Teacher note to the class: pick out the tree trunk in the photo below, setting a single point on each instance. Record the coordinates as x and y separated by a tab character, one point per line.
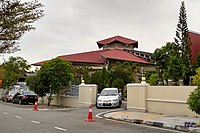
58	98
42	100
50	98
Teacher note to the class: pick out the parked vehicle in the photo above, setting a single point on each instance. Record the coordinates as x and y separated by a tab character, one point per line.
25	97
8	96
109	97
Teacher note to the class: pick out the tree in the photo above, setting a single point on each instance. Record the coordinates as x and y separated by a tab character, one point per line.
102	78
176	69
81	72
197	62
54	75
196	78
194	98
1	75
123	73
14	68
33	83
117	75
16	18
194	101
1	72
152	77
182	40
167	60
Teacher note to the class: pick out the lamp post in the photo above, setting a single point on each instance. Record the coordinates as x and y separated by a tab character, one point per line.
142	69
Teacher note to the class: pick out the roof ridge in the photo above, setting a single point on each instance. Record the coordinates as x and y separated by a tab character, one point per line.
82	52
141	59
194	32
118	38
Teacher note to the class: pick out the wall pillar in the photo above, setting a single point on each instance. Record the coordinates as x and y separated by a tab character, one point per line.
136	96
87	94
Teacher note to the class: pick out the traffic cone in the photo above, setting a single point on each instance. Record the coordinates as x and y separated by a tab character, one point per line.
90	115
35	107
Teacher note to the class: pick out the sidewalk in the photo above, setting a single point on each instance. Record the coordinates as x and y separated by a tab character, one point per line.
180	123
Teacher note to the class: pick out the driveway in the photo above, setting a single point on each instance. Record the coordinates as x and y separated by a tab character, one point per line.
21	118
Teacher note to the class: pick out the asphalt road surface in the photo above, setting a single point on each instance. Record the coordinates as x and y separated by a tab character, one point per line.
22	119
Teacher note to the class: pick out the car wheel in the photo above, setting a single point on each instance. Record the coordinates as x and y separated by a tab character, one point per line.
20	102
120	103
97	106
3	100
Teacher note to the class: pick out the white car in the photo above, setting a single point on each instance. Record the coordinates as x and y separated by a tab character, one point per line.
109	97
8	96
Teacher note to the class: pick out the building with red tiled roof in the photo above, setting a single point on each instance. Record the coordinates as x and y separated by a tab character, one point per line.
92	58
118	42
195	44
114	48
121	55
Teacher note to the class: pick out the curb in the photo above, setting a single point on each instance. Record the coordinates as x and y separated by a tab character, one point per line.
182	128
157	124
138	121
102	115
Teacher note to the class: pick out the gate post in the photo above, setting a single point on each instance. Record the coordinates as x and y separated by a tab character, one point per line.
136	96
87	94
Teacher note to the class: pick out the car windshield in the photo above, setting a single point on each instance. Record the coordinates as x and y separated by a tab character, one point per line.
12	92
109	93
28	93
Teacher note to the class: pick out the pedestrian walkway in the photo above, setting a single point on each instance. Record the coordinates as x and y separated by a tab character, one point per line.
180	123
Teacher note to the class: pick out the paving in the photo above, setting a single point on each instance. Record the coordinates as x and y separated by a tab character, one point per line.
181	123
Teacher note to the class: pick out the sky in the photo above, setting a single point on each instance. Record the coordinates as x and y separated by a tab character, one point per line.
74	26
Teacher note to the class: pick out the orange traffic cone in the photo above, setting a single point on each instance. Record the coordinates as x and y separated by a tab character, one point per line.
35	107
90	115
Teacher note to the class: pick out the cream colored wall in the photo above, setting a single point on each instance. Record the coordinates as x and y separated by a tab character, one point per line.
159	99
70	101
67	101
169	92
169	108
45	100
169	99
136	95
118	46
87	94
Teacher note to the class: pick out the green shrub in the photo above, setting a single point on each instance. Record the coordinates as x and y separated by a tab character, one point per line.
194	100
153	79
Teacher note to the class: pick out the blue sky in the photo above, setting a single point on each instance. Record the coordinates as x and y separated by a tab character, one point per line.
73	26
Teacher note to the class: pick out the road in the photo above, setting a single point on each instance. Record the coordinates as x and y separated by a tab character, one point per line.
22	119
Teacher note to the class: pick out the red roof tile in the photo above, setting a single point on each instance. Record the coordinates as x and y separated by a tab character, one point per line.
100	57
86	57
118	39
195	44
118	54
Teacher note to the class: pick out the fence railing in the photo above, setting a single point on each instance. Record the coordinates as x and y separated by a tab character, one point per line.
74	90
